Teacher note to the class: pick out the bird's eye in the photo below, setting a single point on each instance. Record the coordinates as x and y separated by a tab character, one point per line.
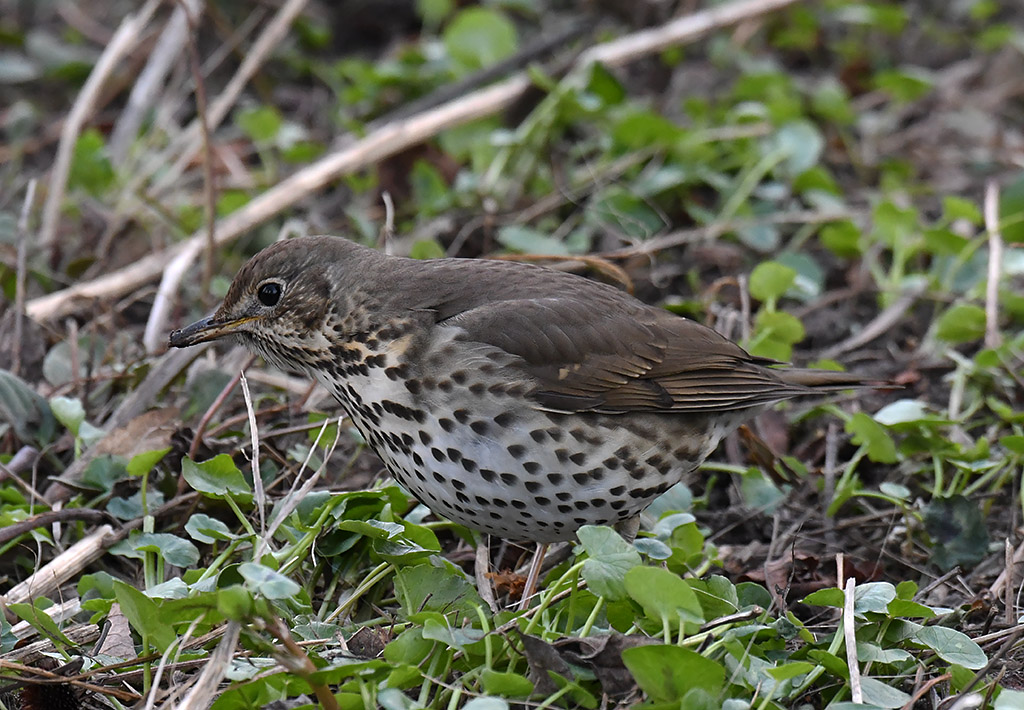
269	293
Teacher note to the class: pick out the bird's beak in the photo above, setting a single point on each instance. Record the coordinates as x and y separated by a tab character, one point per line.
209	328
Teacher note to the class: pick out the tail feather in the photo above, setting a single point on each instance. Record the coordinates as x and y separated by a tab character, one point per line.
828	380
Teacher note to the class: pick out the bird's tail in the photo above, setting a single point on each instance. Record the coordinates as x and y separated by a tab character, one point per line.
829	380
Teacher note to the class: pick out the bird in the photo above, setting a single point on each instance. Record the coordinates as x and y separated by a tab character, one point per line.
514	399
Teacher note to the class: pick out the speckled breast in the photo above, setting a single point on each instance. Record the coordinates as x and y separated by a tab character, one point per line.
454	424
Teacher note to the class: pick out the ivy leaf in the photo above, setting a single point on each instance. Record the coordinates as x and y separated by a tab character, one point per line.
479	37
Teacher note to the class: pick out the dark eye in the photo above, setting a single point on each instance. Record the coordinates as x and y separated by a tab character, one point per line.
269	293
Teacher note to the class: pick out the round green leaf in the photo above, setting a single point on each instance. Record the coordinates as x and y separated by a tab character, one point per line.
216	478
873	435
609	558
881	695
265	581
666	673
479	37
770	279
203	528
962	323
663	595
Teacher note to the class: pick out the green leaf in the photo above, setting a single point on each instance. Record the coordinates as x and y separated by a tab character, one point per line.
790	670
203	528
907	84
25	410
810	277
171	548
1013	442
143	615
267	582
910	609
801	143
511	685
832	597
665	597
130	507
103	472
261	124
1011	210
831	101
609	558
457	638
770	279
434	12
90	166
881	695
41	621
873	653
216	478
867	432
409	647
68	412
764	237
873	597
952	646
143	463
895	226
426	587
530	241
954	208
841	238
478	37
962	323
782	327
639	128
1009	700
486	704
605	85
235	602
431	192
666	673
231	201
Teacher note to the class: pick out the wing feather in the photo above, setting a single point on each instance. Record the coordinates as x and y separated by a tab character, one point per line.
590	347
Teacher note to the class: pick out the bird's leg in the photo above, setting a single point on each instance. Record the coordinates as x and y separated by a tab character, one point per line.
482	569
533	575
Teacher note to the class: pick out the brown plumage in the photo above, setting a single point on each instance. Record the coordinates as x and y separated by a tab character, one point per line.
511	398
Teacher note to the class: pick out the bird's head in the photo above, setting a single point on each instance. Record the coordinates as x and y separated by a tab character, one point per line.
279	302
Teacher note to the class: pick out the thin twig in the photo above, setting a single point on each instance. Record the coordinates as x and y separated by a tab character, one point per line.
1005	579
259	495
21	275
993	338
1010	617
204	689
850	636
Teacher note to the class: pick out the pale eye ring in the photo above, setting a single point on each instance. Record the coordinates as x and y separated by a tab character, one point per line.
269	293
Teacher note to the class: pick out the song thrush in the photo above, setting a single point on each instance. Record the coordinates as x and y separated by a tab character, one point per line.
511	398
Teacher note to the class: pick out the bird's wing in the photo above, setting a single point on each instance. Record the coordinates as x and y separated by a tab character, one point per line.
600	350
